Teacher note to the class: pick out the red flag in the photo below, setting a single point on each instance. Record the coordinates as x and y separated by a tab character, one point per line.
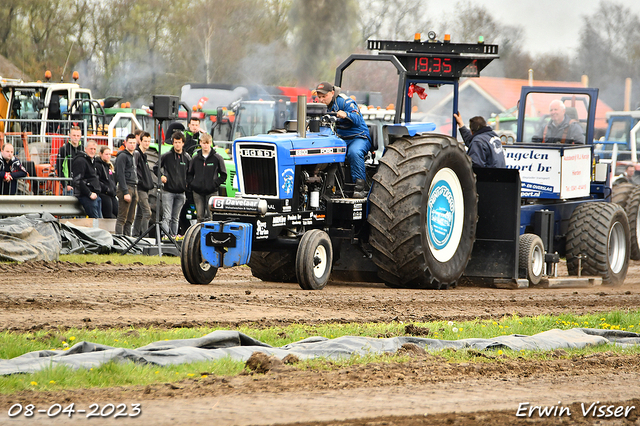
414	88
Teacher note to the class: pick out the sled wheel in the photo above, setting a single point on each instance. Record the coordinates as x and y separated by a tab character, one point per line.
314	260
423	212
194	268
600	233
627	195
531	253
276	266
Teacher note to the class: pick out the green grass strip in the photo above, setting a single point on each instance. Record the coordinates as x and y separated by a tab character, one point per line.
121	374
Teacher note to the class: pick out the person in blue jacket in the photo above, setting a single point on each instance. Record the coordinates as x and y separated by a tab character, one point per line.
485	148
350	127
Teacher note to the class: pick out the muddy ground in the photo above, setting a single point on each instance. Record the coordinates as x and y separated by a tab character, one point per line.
36	296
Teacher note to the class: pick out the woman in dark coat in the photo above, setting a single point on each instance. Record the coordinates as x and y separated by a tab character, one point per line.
107	175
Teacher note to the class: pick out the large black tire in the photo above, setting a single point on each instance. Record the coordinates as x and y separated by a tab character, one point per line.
314	260
276	266
194	268
531	258
599	232
423	212
627	195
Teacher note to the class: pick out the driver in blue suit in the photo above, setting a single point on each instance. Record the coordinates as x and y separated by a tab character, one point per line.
350	127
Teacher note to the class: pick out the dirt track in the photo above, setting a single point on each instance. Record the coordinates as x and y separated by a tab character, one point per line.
43	296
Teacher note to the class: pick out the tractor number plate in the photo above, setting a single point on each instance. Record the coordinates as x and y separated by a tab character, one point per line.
220	239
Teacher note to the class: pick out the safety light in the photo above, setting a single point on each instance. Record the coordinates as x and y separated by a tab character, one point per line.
480	39
417	37
447	38
47	75
75	75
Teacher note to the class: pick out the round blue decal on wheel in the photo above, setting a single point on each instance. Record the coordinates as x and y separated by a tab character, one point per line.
441	214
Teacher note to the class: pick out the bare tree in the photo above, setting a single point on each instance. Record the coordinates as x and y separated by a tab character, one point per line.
396	20
610	52
323	33
8	16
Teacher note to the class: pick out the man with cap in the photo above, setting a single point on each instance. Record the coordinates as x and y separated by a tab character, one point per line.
350	127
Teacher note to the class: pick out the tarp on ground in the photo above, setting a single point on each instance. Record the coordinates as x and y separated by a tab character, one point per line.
82	239
34	237
227	343
30	237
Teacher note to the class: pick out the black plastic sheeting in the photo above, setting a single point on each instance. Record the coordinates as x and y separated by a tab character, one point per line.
228	343
41	237
30	237
81	239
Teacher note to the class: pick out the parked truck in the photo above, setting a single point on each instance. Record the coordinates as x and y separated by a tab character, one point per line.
430	218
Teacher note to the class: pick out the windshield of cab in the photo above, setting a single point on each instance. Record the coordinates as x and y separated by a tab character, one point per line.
556	118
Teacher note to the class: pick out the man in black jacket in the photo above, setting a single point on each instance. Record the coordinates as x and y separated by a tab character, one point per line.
86	184
205	175
65	158
127	191
10	171
145	184
192	136
173	167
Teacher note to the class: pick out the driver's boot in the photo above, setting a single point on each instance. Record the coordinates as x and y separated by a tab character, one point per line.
360	190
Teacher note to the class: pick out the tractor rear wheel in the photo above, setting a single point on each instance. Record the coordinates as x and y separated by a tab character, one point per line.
194	268
627	195
314	260
276	266
531	254
598	240
423	212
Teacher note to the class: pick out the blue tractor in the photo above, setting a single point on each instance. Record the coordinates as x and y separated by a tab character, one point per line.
430	218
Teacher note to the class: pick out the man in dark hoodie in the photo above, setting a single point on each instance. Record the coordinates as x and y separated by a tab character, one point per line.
127	191
145	184
173	168
65	157
206	173
86	184
485	147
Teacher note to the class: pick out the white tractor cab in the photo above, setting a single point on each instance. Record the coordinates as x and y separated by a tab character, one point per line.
36	118
24	106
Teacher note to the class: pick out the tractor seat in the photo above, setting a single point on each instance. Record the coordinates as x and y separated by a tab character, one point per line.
572	113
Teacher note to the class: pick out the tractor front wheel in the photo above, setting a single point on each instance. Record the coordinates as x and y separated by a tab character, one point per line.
194	267
314	260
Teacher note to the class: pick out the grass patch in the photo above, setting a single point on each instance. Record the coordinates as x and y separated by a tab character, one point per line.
115	374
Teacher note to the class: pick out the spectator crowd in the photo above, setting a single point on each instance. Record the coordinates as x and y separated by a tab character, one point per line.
121	189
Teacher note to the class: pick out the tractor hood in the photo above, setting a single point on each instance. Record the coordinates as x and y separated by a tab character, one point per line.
277	155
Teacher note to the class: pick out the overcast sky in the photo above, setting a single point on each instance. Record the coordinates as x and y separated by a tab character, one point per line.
549	25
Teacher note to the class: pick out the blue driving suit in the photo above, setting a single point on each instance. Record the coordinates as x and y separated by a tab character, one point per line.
355	133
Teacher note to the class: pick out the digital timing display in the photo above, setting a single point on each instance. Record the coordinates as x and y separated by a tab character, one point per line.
431	66
439	66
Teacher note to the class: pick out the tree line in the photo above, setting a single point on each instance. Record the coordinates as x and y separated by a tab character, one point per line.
137	48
